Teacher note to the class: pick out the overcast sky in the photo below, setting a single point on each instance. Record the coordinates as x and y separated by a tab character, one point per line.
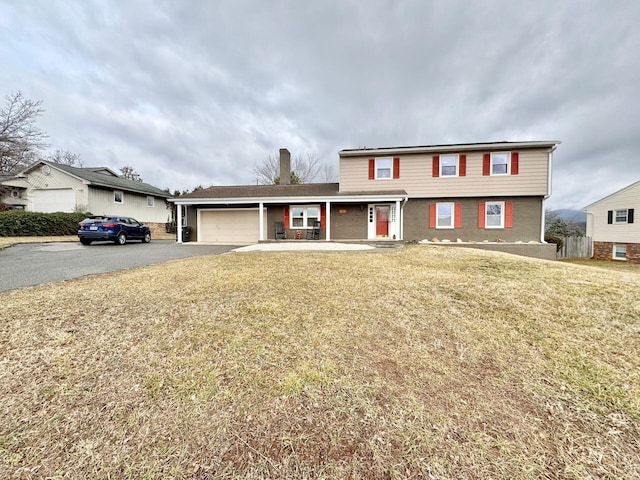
195	92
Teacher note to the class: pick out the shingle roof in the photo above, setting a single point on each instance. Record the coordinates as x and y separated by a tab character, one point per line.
267	191
103	180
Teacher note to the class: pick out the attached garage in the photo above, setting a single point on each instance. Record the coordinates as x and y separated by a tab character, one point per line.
232	226
56	200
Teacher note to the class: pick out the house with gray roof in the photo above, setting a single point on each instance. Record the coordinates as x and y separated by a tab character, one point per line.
480	192
51	187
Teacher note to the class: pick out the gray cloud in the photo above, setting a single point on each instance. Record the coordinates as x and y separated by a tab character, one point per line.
196	92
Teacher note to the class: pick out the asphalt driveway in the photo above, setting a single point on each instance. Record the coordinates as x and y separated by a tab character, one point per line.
31	264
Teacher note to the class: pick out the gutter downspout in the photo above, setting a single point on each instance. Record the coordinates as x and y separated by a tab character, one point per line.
543	218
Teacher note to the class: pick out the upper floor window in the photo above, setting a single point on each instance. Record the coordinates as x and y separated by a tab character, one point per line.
622	215
448	165
499	163
304	216
118	196
384	168
150	201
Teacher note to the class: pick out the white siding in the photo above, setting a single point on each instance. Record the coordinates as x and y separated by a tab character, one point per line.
58	181
101	202
416	177
601	231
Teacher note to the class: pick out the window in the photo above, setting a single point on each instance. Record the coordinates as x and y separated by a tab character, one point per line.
621	216
118	197
500	163
304	216
444	215
383	168
494	215
448	165
150	201
619	252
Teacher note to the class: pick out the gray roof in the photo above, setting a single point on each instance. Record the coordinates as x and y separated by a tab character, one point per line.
552	144
109	181
280	191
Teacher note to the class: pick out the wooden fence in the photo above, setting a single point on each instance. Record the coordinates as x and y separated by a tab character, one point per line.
576	247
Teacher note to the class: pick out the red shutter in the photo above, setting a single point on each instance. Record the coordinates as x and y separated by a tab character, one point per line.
323	216
286	217
436	166
396	167
515	163
432	215
458	216
508	214
463	165
372	169
481	212
486	164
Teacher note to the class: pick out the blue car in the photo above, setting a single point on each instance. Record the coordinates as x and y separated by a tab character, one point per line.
112	228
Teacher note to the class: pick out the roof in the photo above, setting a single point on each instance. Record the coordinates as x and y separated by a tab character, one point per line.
628	187
455	147
254	192
92	176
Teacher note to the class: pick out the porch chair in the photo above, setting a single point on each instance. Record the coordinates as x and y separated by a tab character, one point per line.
280	231
314	233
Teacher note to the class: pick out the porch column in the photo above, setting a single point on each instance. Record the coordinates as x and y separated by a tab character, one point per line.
327	217
398	221
179	222
260	209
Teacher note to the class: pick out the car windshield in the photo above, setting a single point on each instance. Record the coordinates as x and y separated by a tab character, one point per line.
95	219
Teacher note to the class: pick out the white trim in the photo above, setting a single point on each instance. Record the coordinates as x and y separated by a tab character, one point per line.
453	214
552	144
613	256
261	213
305	216
457	166
327	220
502	215
615	216
153	201
121	202
508	172
289	200
376	160
179	222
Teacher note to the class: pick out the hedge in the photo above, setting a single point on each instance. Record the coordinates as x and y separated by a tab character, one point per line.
18	223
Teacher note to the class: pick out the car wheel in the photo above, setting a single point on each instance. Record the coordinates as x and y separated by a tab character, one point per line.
147	238
85	241
121	239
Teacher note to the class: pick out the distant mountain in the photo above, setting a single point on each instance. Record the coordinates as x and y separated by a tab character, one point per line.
572	217
568	215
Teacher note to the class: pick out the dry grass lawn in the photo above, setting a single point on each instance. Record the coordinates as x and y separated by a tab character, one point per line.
426	362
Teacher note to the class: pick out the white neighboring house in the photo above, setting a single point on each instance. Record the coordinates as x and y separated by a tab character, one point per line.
612	225
51	187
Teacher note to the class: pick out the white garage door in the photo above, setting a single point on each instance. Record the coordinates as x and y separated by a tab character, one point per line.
60	200
235	226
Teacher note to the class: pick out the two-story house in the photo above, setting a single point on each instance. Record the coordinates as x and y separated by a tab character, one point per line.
612	227
464	192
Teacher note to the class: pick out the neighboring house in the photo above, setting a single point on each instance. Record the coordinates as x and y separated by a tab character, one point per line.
468	192
51	187
612	226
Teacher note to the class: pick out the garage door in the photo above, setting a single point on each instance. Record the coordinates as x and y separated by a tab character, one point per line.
60	200
235	226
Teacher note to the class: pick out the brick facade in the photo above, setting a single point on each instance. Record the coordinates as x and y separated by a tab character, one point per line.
604	251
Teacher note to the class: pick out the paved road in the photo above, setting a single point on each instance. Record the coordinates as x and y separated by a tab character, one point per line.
30	264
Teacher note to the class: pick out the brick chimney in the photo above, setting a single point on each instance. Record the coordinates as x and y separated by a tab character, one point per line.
285	167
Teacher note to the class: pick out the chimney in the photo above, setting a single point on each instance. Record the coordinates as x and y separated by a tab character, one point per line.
285	167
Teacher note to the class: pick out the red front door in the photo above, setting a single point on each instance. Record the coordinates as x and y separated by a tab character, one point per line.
382	221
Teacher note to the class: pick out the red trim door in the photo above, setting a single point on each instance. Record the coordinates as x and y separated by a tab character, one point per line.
382	220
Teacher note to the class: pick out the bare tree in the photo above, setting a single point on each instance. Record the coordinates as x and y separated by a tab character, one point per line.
129	172
304	169
20	138
328	174
65	157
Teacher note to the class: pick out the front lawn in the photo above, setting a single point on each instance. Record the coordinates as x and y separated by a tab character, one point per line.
425	362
